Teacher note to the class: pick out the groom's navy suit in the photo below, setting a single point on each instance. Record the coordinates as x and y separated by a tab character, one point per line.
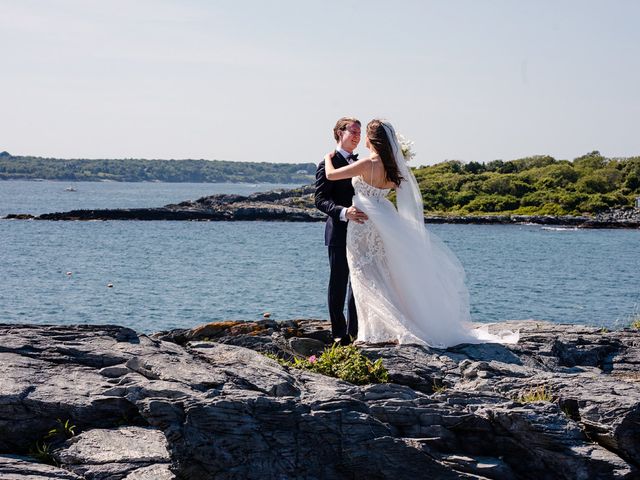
332	197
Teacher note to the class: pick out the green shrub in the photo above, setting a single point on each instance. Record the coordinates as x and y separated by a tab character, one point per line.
632	182
536	185
551	209
590	161
535	161
474	167
493	203
460	199
558	175
534	199
599	181
599	202
571	200
502	184
344	362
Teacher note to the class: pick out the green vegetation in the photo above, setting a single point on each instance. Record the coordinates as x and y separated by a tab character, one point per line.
635	324
42	450
135	170
273	356
61	430
536	394
539	185
344	362
438	386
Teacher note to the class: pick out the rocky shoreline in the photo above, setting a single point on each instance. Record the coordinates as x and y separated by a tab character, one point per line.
297	205
205	403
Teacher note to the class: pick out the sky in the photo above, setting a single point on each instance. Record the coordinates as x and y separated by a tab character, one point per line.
254	80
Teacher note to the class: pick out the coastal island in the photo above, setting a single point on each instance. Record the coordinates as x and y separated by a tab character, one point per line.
591	191
102	401
297	205
14	167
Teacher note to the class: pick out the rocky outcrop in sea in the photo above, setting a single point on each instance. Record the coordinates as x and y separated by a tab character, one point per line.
293	205
628	217
104	402
297	205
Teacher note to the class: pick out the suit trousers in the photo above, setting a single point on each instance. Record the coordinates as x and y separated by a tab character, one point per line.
339	291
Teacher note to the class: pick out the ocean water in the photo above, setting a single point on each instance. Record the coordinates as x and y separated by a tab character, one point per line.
179	274
36	197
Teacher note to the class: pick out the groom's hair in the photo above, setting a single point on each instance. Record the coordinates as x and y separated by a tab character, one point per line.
342	124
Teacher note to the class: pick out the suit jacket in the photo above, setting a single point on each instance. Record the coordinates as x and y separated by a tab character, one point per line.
331	197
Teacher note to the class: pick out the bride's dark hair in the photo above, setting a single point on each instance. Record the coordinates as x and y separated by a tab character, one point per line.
380	141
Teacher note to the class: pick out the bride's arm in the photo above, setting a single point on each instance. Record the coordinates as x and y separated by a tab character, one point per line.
348	171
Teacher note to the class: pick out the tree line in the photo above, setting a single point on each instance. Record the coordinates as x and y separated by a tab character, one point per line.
136	170
537	185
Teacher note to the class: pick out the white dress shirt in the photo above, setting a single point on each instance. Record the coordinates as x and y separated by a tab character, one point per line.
345	154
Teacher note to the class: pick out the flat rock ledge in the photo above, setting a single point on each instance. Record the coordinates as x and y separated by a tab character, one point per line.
292	205
297	205
205	403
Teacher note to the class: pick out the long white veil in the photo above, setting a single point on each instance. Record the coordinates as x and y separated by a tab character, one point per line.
409	198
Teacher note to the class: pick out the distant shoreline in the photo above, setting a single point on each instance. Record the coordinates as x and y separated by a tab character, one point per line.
57	180
143	170
297	205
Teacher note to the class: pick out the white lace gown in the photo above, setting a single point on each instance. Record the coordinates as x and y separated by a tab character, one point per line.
409	287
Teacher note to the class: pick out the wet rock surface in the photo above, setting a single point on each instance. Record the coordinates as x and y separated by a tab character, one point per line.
205	403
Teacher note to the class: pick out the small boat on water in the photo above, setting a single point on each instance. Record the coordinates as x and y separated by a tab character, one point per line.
70	189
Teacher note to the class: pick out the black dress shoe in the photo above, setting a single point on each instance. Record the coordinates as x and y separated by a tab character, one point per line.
344	341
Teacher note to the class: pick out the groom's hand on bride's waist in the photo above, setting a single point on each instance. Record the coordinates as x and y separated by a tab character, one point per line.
355	215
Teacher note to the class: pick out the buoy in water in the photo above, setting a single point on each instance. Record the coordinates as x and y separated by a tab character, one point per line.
109	285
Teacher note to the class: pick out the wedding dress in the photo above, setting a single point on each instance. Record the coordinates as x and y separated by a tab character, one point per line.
408	285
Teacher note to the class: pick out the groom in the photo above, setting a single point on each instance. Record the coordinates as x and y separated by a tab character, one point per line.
334	198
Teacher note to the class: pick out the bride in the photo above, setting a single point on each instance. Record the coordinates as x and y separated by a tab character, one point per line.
408	286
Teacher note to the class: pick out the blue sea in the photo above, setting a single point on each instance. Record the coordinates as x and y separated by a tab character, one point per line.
180	274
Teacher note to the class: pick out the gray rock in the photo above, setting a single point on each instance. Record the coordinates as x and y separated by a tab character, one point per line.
15	467
205	403
111	453
153	472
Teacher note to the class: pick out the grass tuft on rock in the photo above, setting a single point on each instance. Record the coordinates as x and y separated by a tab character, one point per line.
343	362
42	452
62	430
536	394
